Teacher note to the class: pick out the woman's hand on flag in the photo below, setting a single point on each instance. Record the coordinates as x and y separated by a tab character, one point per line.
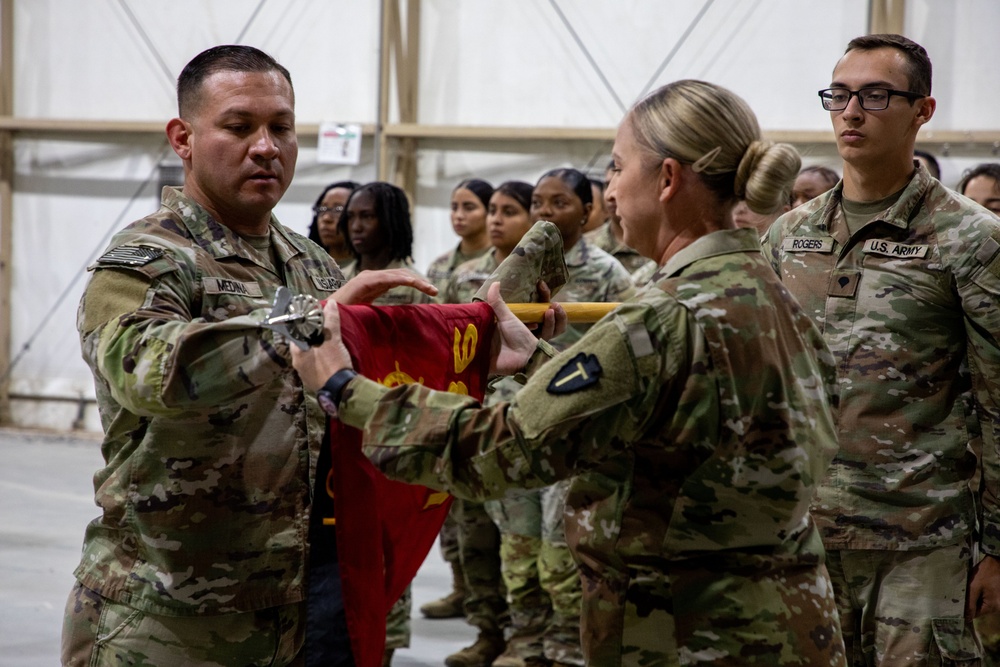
514	343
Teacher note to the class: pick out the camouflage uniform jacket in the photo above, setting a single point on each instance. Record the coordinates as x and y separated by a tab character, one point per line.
908	306
705	410
442	267
594	276
463	283
604	238
397	296
209	438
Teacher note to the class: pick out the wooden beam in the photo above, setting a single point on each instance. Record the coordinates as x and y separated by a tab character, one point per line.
384	82
121	130
6	202
412	64
407	74
97	130
886	16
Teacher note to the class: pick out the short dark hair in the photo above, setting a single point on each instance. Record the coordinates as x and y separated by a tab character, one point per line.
934	167
314	225
575	179
392	209
224	58
990	169
918	62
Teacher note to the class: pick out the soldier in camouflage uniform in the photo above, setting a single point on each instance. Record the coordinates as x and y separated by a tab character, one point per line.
544	587
469	203
902	276
376	222
702	406
507	221
199	555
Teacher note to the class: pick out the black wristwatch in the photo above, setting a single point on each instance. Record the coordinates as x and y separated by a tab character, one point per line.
329	395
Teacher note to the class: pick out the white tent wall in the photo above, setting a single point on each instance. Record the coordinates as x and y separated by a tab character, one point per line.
514	64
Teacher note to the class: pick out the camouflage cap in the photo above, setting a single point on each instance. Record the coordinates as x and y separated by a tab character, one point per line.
538	256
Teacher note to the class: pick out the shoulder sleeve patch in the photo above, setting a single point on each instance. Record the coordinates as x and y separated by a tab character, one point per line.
987	251
578	373
130	255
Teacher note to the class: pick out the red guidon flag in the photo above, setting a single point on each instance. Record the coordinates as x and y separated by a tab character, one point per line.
385	528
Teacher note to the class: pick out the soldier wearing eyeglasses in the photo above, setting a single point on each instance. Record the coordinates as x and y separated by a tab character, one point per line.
902	276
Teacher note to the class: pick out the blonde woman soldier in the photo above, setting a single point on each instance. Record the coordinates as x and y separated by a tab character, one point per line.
700	411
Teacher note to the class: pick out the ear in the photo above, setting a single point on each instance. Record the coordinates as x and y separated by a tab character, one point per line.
179	135
925	110
668	180
587	208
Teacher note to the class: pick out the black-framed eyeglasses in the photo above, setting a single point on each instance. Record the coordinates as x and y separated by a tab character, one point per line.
320	210
871	99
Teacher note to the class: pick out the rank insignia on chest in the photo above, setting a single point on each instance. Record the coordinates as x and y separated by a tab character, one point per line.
579	372
130	255
844	283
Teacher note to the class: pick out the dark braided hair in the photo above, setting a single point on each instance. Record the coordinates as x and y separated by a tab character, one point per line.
392	209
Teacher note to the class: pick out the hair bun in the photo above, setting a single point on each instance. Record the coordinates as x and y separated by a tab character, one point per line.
766	174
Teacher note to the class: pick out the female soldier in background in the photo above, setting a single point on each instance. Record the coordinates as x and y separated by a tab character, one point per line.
469	201
326	214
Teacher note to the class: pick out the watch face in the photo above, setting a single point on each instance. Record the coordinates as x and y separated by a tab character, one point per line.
326	402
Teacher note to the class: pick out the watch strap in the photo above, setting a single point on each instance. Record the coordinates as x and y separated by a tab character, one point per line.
329	395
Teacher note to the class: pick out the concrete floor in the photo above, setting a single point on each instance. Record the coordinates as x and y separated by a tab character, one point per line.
46	501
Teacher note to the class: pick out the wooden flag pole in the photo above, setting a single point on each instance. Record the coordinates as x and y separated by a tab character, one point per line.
579	313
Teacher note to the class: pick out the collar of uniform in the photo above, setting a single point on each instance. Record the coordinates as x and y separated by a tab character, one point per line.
214	237
287	245
606	237
897	215
900	213
722	242
578	254
617	247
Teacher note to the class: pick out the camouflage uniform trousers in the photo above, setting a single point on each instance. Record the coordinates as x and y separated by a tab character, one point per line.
449	536
988	629
397	622
544	592
99	631
904	608
485	603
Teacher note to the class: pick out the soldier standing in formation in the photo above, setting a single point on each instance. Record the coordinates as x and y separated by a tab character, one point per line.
902	276
484	603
